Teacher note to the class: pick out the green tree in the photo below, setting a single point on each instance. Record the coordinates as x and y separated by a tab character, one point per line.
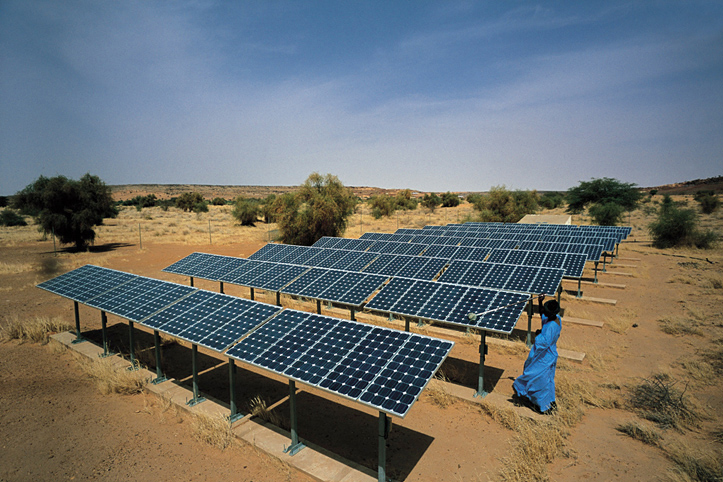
503	206
431	201
449	200
218	201
191	201
246	211
321	207
66	207
404	201
608	214
602	191
267	209
678	227
551	200
382	205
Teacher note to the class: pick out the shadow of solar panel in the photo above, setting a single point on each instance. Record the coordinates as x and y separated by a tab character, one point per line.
234	326
389	294
267	335
187	264
442	302
414	298
402	380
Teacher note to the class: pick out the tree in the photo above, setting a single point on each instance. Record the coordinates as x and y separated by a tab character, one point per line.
404	201
246	211
191	201
678	227
551	200
449	200
321	207
8	217
381	205
503	206
602	191
608	214
431	201
267	209
709	203
68	208
218	201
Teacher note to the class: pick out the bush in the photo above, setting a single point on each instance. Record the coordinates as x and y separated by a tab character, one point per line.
66	207
551	200
678	227
404	201
3	201
200	207
218	201
189	201
450	200
709	203
431	201
474	198
8	217
608	214
504	206
382	205
246	211
321	207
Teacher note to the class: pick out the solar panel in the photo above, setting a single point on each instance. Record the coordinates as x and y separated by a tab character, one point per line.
276	277
223	270
265	253
382	368
86	282
389	294
183	266
355	261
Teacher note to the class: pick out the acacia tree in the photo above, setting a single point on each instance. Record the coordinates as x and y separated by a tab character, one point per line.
246	211
503	206
66	207
602	192
321	207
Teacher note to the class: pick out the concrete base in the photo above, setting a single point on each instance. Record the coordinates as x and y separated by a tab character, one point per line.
591	299
614	273
314	461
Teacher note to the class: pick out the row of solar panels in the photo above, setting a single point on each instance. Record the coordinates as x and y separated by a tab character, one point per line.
379	367
323	254
618	232
592	251
450	303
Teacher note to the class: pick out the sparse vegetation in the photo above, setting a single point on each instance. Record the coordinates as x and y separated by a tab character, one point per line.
678	227
113	378
246	211
551	200
8	217
192	201
450	200
431	201
35	330
213	430
638	431
659	400
258	407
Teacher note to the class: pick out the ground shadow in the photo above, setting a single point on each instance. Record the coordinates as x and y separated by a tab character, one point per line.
466	373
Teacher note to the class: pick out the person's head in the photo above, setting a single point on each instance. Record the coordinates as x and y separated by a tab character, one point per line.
550	309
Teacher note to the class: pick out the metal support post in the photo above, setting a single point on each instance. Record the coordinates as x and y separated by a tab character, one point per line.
529	323
384	428
482	352
220	288
191	277
352	314
252	293
278	298
103	326
160	377
596	264
232	395
559	293
617	251
579	287
604	257
196	399
318	307
295	446
131	330
406	324
78	337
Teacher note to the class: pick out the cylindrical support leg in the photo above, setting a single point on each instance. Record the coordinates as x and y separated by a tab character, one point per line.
131	332
251	293
77	321
406	324
194	355
481	379
159	371
296	445
278	298
220	288
579	287
605	257
352	314
596	264
191	281
232	391
559	293
103	327
318	306
529	324
384	426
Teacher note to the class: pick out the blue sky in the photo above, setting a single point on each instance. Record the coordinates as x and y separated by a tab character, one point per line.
433	96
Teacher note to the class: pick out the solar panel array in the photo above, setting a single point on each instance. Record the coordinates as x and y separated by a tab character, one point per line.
526	279
383	368
571	263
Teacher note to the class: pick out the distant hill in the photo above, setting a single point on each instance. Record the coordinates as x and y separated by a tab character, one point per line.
714	184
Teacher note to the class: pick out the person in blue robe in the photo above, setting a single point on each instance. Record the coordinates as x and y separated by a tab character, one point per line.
537	382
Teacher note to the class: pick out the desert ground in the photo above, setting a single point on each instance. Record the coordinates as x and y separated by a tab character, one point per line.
665	330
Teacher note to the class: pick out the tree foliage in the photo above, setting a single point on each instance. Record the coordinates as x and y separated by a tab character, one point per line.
246	211
551	200
602	191
708	203
382	205
431	201
607	214
449	200
503	206
404	201
66	207
321	207
192	201
267	209
678	227
8	217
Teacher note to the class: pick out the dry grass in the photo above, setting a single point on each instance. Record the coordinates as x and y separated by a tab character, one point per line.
638	431
258	407
213	430
714	281
674	325
438	394
15	268
512	347
659	400
694	464
621	322
111	378
700	370
36	330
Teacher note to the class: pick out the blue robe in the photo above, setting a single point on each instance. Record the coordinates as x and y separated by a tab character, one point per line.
537	381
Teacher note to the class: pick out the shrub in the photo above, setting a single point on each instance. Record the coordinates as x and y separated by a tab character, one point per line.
218	201
501	205
8	217
709	203
653	192
658	400
246	211
474	198
382	205
551	200
66	207
450	200
188	201
201	207
321	207
404	201
608	214
678	227
431	201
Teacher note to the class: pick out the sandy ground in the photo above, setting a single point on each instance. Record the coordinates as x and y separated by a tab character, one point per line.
55	425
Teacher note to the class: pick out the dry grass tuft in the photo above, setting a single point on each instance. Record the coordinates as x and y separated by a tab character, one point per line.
714	281
506	417
679	326
638	431
213	430
258	407
438	394
694	464
657	399
700	370
514	347
112	378
36	330
15	268
683	279
620	323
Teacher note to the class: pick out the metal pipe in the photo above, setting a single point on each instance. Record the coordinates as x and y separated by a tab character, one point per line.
296	445
252	293
191	281
220	287
481	379
232	389
384	427
103	326
159	373
194	366
78	337
132	349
